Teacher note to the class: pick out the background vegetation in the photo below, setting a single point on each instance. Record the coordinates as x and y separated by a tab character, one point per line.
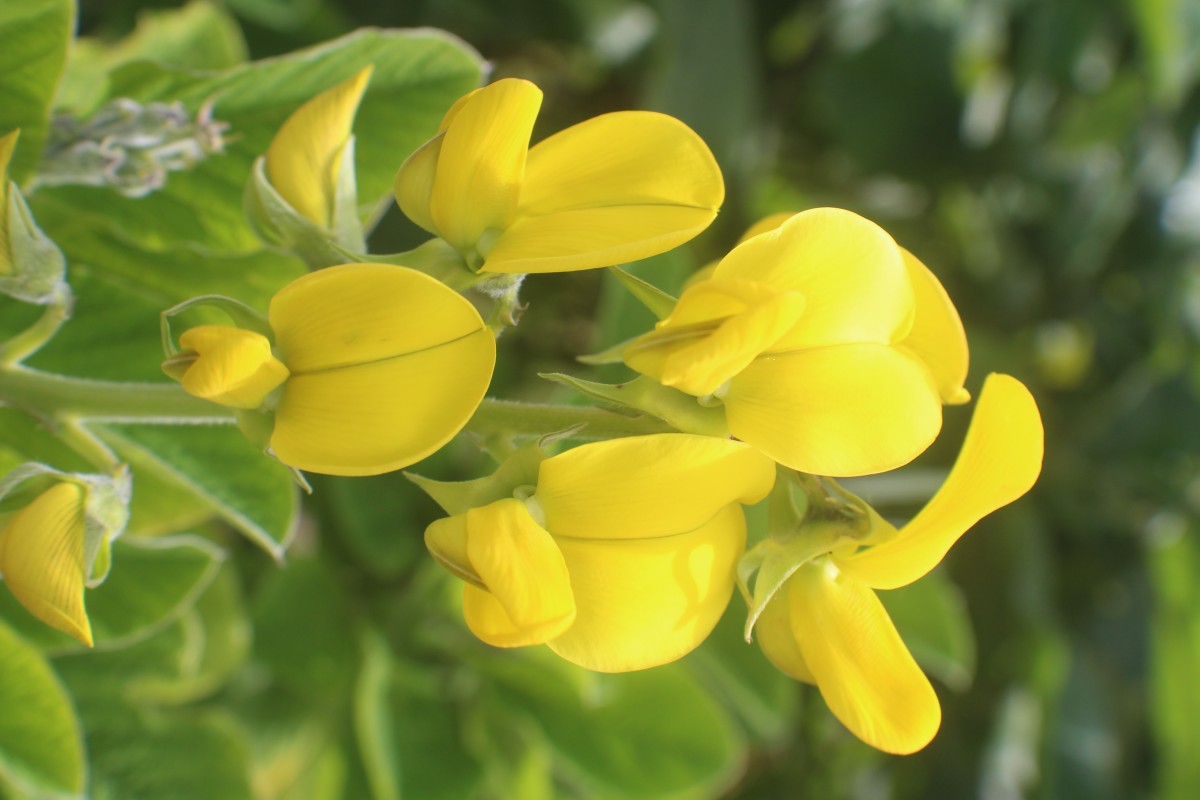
1039	156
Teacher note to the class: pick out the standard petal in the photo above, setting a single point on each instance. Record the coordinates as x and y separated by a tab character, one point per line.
865	673
587	238
642	603
365	419
303	158
360	313
41	559
774	635
626	158
525	575
234	367
937	335
414	183
1000	460
482	162
766	224
838	411
848	269
646	486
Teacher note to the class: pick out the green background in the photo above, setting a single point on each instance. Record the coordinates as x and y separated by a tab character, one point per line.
1038	156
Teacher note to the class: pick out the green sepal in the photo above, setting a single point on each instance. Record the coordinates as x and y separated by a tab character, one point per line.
436	258
609	355
643	395
286	229
458	497
656	300
32	268
208	309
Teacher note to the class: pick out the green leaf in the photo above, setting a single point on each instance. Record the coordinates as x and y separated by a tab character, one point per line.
41	748
601	727
740	677
177	757
417	75
932	620
409	734
36	34
320	664
152	582
216	464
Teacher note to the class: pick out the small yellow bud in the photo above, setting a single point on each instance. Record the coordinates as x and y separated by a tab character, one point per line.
41	559
233	367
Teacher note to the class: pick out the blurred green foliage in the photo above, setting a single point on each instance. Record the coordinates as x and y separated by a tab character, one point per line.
1039	156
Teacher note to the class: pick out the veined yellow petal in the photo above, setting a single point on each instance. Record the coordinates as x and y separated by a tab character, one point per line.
702	367
767	223
303	159
525	575
234	367
849	270
648	486
634	158
365	419
716	329
775	638
360	313
41	559
1000	460
482	162
642	603
587	238
838	411
937	335
865	673
414	183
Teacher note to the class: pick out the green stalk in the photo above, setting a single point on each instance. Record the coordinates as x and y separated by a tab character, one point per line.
61	398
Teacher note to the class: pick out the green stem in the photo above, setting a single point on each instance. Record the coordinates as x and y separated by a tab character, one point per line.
88	445
495	416
59	397
30	340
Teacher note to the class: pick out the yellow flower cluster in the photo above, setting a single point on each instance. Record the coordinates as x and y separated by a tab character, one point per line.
829	349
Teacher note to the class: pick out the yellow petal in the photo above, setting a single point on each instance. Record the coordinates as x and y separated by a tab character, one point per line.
865	673
615	188
365	419
1000	461
482	162
716	329
303	159
642	603
767	223
414	183
446	539
41	559
839	411
646	486
701	367
529	599
234	367
937	335
773	631
360	313
588	238
848	269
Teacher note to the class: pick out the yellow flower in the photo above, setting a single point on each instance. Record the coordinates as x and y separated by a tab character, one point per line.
372	368
826	625
615	188
42	559
305	160
830	347
621	559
